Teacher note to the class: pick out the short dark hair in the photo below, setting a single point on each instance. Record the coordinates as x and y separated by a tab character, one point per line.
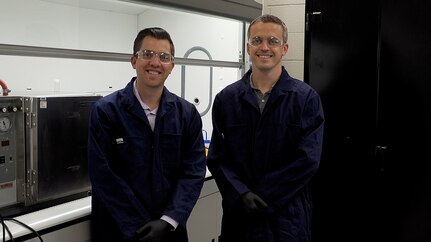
268	18
154	32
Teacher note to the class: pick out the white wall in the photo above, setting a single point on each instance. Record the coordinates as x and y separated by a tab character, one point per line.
292	12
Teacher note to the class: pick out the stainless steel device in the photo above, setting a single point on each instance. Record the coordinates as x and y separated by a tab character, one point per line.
43	152
12	151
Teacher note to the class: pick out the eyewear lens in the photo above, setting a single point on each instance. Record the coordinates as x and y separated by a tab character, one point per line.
164	58
272	41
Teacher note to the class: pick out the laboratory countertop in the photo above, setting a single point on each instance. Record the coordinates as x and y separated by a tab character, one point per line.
53	216
49	217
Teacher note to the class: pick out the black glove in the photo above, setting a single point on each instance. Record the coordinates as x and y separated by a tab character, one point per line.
154	231
252	204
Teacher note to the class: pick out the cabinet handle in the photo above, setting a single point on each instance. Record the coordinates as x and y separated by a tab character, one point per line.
379	154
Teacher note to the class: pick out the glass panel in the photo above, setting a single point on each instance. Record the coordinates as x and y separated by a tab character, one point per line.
60	75
65	24
201	84
111	26
220	37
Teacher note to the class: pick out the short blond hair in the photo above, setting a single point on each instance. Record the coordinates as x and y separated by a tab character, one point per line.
268	18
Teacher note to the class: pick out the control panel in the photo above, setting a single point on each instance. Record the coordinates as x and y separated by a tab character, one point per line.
12	151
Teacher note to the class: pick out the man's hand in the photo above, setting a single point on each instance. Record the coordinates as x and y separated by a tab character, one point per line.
252	204
154	231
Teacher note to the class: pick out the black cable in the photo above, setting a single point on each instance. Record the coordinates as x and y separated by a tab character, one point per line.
26	226
5	227
9	233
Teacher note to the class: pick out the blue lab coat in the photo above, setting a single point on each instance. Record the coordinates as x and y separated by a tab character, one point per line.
139	175
273	154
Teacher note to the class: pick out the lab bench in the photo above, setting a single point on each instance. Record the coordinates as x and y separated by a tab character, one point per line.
70	222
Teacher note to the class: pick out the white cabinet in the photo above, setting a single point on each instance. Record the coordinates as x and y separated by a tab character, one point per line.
79	232
205	220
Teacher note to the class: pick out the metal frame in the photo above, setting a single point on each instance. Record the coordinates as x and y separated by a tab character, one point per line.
22	50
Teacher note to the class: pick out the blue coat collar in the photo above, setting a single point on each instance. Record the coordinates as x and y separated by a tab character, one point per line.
131	103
